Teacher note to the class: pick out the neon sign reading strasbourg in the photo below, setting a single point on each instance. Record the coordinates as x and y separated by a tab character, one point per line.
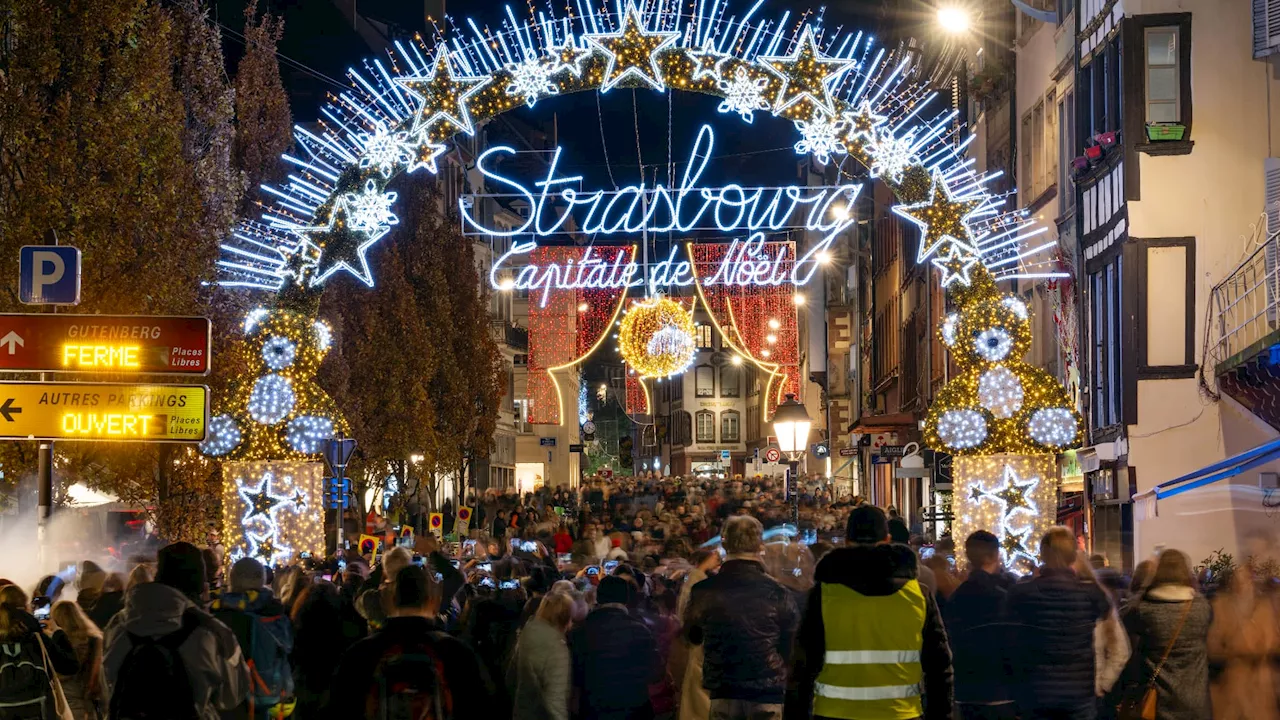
733	210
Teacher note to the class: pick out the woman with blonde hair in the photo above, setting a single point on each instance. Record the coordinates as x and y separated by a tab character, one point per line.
1169	627
84	690
541	673
1243	638
139	575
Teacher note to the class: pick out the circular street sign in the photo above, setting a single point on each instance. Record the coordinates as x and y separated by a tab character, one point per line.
772	455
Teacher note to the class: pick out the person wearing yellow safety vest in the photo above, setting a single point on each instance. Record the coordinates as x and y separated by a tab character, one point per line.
871	643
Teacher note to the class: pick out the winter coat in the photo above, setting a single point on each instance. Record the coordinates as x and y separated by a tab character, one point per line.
99	606
468	682
1052	619
62	657
615	657
1242	638
260	610
1182	688
875	571
745	621
981	641
1111	652
542	673
211	656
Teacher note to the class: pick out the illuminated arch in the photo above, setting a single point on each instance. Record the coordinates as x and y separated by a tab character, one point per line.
843	94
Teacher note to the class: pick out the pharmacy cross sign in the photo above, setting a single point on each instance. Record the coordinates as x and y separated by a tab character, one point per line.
843	96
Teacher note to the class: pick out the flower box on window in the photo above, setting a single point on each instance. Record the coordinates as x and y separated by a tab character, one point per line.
1164	132
1093	152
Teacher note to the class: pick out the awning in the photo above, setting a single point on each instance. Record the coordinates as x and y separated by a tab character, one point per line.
1222	470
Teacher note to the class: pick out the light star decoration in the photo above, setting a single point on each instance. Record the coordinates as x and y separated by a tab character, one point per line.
259	502
863	123
706	62
957	264
426	156
632	52
940	218
806	74
444	97
342	246
1015	494
570	57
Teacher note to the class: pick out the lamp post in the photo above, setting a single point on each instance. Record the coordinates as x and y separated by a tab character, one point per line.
791	425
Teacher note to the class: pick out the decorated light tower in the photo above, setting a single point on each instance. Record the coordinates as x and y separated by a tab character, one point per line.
1003	420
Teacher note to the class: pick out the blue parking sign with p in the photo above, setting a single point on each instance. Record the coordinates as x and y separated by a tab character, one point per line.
49	275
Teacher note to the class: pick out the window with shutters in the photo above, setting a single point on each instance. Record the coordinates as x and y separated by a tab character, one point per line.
705	339
730	381
705	381
1266	27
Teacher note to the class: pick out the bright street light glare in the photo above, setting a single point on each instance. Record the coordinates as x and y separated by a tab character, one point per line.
953	19
824	257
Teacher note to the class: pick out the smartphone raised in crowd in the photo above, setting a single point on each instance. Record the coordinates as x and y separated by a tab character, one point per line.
609	565
593	570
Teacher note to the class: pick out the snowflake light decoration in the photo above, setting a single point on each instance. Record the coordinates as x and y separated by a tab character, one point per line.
743	95
820	137
531	80
385	150
891	156
369	211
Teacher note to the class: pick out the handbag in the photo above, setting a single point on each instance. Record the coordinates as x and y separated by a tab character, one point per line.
61	709
1144	707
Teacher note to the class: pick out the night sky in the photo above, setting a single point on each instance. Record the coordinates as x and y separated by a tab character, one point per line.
318	42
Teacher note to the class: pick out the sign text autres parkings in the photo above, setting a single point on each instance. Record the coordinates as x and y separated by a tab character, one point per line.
103	411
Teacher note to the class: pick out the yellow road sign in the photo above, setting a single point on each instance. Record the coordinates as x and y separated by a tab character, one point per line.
103	411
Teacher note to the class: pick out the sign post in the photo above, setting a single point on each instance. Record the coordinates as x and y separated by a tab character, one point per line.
337	451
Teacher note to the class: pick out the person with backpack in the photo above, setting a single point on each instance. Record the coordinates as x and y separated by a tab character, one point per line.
165	657
31	657
265	634
410	668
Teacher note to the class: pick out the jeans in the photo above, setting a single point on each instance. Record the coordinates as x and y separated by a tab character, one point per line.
1004	711
744	710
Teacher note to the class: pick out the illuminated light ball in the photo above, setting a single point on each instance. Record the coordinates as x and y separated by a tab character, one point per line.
1000	391
993	344
656	338
962	429
949	324
1018	307
271	400
1055	427
307	433
252	319
222	437
324	336
279	352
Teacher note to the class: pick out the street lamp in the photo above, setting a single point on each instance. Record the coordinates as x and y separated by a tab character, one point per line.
954	20
791	425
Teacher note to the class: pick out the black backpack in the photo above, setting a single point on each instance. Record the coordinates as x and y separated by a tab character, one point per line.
410	684
24	680
153	683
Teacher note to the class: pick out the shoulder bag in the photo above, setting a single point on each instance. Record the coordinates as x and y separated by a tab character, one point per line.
1144	707
61	710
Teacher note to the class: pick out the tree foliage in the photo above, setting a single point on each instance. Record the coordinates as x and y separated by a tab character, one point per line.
264	125
116	136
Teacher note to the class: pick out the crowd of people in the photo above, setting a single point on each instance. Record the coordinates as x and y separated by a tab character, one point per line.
640	599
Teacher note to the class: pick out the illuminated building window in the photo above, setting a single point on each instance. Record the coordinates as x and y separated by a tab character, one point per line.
706	421
705	340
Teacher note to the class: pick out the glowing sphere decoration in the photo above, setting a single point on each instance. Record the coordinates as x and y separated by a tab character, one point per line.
656	338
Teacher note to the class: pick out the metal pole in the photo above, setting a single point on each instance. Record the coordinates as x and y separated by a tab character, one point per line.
793	487
45	499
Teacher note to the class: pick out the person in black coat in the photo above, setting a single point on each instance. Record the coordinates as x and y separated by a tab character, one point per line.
615	657
745	621
1052	618
411	631
979	634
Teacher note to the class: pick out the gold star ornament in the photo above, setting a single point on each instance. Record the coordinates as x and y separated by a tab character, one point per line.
632	52
941	218
806	74
443	96
957	264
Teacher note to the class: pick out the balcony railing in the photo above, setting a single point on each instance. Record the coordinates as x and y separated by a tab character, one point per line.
1245	303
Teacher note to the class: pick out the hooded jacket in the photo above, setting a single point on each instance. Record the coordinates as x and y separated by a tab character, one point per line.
745	621
876	571
211	655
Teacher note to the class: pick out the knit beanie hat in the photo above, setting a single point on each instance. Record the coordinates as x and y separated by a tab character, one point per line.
181	567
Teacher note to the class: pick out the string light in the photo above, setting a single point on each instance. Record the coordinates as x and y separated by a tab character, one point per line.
1006	495
940	218
268	511
820	137
221	437
271	400
442	96
743	94
1000	392
1053	427
370	210
806	75
385	150
993	344
706	61
307	433
962	429
278	352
